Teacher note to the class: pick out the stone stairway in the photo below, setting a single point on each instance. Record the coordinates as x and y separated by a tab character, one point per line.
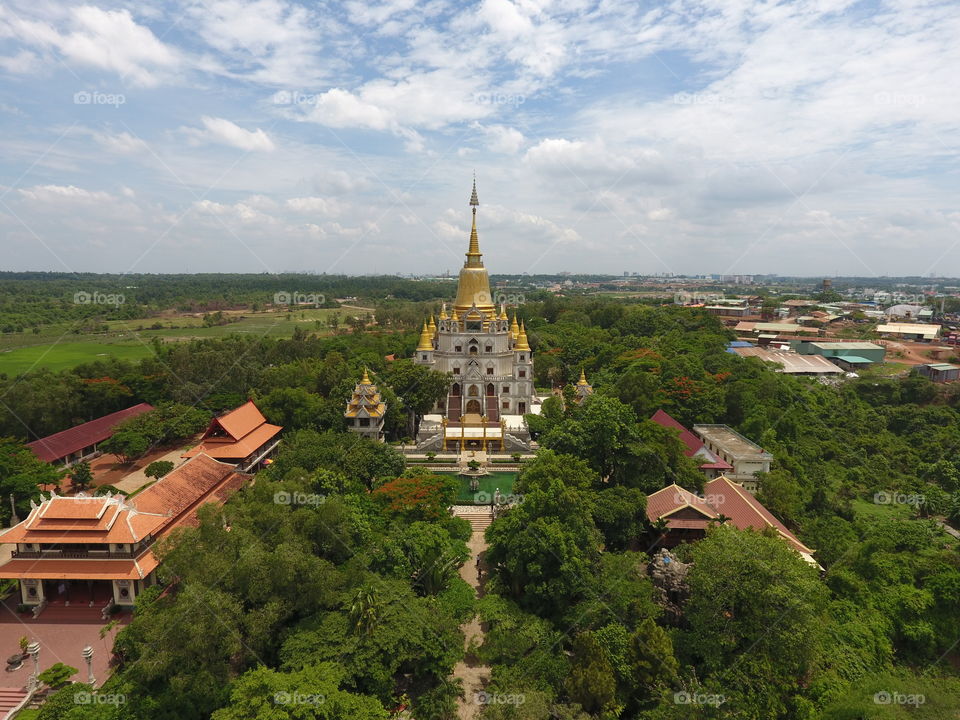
11	699
479	516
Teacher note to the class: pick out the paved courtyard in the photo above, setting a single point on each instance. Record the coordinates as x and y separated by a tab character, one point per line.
62	632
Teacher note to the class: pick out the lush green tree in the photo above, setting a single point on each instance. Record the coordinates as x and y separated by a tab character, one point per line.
311	693
21	474
81	476
158	468
755	615
419	389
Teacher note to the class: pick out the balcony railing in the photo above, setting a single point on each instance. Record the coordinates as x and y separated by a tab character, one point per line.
78	554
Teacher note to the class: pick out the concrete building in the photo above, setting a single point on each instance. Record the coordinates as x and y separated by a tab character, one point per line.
746	457
709	463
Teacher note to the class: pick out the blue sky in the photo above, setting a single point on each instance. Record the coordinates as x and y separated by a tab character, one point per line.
266	136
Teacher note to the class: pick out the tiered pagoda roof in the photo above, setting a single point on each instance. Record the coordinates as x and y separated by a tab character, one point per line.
366	400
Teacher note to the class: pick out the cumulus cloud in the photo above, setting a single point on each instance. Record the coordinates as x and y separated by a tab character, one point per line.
224	132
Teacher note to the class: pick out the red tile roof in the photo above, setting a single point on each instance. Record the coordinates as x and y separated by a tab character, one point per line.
745	511
236	435
668	500
180	493
79	569
61	444
170	502
694	444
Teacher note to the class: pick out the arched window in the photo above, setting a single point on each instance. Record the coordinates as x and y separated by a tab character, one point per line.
488	348
491	390
455	390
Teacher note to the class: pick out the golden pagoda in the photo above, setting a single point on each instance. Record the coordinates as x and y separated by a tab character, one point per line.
426	339
522	343
473	288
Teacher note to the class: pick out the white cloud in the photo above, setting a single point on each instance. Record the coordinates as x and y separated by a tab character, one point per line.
109	40
64	194
224	132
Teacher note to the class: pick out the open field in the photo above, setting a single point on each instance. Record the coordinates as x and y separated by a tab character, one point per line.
56	348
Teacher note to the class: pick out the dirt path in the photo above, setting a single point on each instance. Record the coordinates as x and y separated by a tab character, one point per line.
475	677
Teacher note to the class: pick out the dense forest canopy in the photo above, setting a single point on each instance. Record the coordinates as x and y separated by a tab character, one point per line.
356	597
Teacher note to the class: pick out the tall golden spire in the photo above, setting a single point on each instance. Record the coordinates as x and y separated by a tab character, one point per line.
473	288
473	252
432	326
426	340
514	328
522	342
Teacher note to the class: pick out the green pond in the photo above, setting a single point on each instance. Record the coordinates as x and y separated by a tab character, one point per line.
488	486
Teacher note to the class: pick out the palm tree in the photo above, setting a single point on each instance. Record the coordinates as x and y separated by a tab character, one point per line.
364	610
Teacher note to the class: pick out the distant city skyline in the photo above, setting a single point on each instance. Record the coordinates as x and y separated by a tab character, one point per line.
700	138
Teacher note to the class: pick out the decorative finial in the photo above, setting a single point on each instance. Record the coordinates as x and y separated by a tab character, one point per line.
366	378
583	378
473	197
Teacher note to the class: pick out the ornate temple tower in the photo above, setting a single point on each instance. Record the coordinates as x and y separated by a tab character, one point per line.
366	410
489	357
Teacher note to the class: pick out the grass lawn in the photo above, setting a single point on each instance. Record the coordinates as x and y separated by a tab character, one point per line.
56	351
488	486
61	356
884	370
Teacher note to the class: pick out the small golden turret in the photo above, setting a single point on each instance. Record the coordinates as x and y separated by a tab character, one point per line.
503	312
456	316
522	343
514	328
426	339
583	378
365	380
443	312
